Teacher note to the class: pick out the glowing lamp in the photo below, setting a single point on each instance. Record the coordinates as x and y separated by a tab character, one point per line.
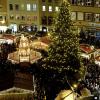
66	95
3	21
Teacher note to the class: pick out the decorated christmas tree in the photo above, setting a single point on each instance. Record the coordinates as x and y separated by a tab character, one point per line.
64	52
63	64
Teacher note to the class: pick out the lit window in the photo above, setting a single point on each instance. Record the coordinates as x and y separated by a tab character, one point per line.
80	16
28	7
73	15
17	17
34	7
43	8
97	17
50	8
97	3
89	2
56	8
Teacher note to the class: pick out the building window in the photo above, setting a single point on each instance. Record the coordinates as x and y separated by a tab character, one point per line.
34	7
80	16
44	20
16	7
49	0
23	17
50	8
80	2
17	17
73	2
28	18
73	15
43	0
97	17
10	6
88	16
11	17
22	7
56	8
89	2
34	18
28	7
50	20
97	3
43	8
5	17
1	18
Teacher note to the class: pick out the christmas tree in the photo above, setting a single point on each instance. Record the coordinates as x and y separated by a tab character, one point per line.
63	64
63	52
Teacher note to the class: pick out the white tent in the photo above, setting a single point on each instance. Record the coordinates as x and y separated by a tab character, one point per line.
16	94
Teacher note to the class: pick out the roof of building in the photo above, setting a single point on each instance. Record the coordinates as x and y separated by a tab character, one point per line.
87	48
15	93
9	36
45	40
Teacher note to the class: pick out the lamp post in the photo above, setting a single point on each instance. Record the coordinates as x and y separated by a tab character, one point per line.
70	94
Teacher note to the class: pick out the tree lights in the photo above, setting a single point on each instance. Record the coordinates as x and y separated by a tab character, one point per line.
63	64
63	52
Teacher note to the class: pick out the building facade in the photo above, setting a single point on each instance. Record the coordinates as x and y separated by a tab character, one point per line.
37	14
3	15
47	11
28	14
86	14
23	14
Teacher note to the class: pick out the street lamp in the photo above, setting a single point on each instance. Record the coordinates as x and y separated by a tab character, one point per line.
3	21
68	95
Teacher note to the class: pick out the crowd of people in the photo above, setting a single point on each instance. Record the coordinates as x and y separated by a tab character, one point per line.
92	78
